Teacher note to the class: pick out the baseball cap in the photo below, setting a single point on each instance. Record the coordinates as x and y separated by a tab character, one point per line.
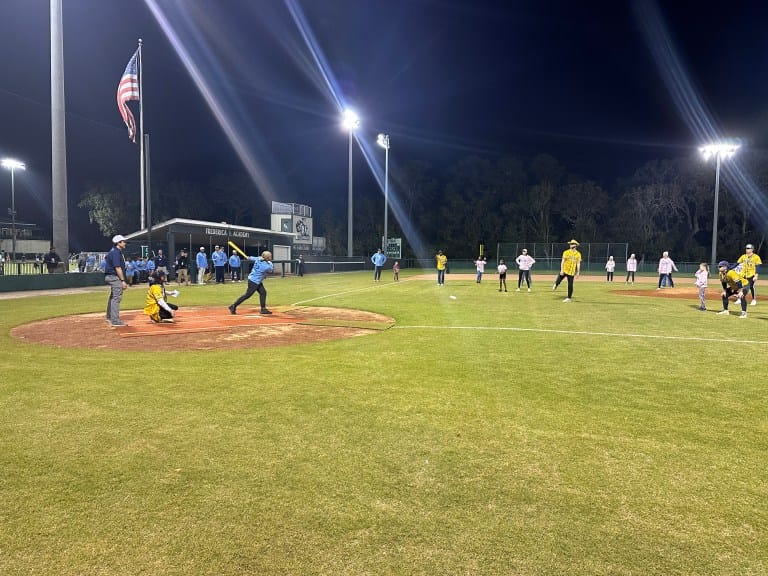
750	247
722	264
202	247
573	242
118	238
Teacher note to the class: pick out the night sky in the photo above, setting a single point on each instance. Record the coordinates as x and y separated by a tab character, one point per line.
444	78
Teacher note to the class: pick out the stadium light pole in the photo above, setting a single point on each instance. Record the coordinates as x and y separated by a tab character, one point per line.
383	141
719	150
13	165
351	122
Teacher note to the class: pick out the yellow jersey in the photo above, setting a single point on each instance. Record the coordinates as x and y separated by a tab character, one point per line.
151	307
571	260
733	280
441	260
749	264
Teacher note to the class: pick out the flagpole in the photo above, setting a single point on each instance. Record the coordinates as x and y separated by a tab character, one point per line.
142	215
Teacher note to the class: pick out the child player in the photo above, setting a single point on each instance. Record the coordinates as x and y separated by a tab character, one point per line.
502	275
702	274
156	306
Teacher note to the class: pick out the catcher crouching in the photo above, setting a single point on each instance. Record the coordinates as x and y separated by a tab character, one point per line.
157	306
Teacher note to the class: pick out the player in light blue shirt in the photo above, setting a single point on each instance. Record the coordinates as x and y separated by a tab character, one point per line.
262	265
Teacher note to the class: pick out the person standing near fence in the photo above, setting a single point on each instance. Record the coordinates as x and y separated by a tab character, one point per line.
524	264
610	266
219	258
396	271
502	268
52	260
262	265
182	268
631	269
750	263
441	261
702	275
378	260
114	275
480	267
161	262
234	266
202	265
570	268
666	265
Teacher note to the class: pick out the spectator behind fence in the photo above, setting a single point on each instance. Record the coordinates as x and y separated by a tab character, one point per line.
52	260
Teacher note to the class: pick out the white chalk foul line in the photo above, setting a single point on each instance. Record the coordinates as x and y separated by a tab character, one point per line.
579	332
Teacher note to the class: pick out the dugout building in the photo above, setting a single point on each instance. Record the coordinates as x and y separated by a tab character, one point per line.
173	235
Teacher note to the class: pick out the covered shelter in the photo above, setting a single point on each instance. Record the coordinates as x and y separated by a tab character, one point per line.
177	233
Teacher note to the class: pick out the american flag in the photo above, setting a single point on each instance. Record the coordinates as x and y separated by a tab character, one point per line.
128	90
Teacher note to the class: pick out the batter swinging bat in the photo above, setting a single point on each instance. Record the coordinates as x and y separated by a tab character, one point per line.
237	249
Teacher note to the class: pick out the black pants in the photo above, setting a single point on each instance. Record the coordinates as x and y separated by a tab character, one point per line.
523	275
253	287
164	314
609	276
570	282
742	294
631	274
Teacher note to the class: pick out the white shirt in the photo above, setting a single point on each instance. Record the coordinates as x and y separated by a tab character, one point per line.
525	262
666	265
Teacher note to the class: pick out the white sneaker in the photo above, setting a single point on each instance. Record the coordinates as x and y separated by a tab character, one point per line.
518	290
722	312
738	302
567	300
743	315
529	289
554	286
753	303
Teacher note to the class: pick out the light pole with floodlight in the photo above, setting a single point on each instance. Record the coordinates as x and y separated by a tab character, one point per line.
719	150
13	165
383	141
351	122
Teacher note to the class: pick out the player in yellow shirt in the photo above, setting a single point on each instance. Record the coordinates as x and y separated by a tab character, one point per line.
750	263
570	267
442	263
733	283
156	305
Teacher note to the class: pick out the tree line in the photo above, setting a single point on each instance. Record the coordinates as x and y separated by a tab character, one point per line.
667	204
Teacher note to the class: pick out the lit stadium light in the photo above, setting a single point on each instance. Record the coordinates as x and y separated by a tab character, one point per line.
13	165
350	120
720	150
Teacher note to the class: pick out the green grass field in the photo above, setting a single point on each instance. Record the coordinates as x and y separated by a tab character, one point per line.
490	434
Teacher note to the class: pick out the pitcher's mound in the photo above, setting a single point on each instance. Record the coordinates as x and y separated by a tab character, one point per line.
205	328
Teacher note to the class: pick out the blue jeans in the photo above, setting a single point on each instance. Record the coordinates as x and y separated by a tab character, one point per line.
441	277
